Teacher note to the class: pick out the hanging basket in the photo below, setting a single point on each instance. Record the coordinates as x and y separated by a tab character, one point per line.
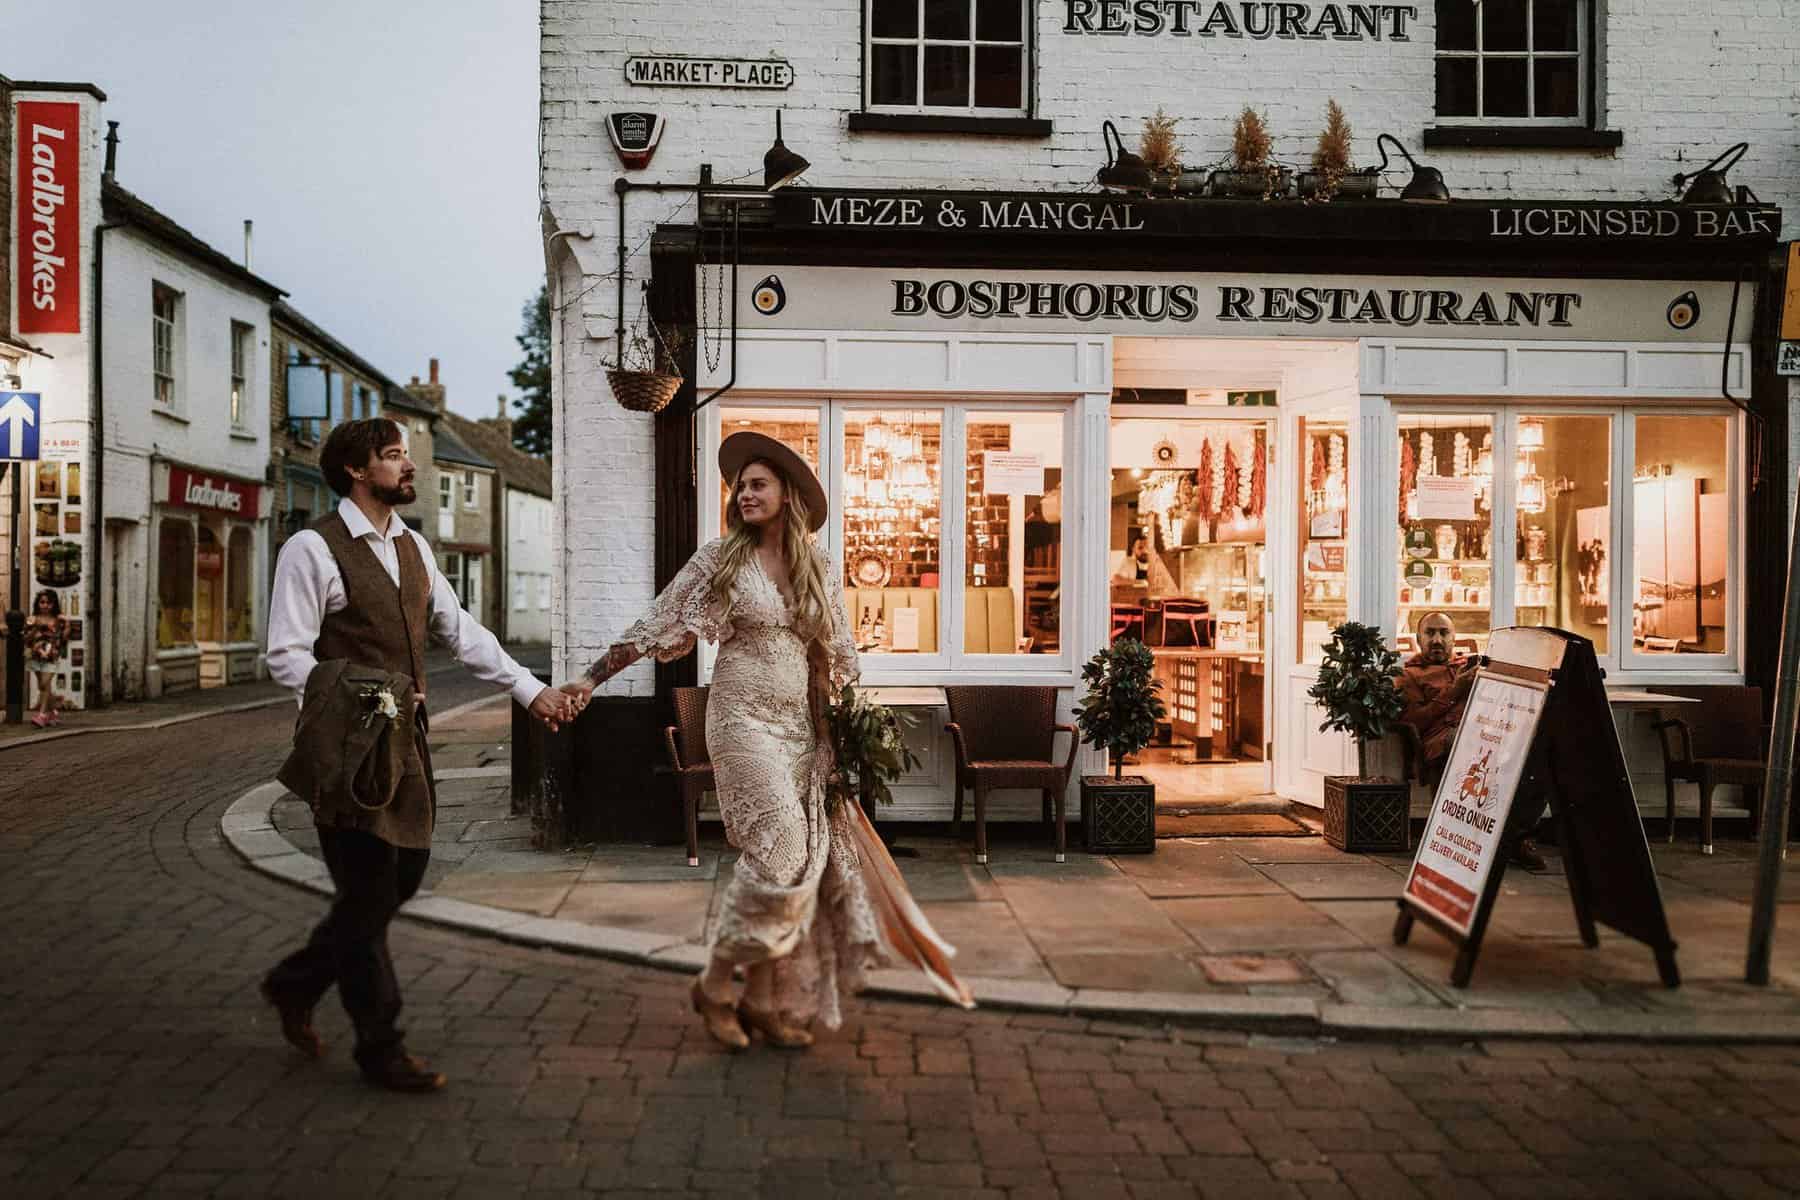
643	391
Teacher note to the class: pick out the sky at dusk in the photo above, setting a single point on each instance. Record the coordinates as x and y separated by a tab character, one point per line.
386	149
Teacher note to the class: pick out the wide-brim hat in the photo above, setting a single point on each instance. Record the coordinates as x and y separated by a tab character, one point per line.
742	447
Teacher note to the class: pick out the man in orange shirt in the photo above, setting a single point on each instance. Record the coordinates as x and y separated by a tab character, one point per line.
1434	687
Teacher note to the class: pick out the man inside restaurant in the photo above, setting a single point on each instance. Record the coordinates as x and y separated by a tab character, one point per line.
1143	568
1434	688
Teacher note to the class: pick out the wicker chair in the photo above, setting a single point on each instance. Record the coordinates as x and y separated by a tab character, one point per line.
686	741
1005	738
1720	740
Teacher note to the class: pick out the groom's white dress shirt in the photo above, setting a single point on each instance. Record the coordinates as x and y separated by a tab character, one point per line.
309	586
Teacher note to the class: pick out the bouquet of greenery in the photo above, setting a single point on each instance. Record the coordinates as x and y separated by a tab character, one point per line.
870	743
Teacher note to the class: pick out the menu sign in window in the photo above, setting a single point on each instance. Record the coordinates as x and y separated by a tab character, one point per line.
1468	817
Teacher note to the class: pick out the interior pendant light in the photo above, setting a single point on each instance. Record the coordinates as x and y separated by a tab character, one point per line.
781	166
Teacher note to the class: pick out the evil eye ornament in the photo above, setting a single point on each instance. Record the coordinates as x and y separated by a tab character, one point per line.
1684	310
769	297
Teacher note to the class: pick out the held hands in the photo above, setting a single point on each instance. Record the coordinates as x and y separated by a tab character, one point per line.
556	707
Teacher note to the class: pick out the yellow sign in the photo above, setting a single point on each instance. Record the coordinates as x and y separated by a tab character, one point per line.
1790	307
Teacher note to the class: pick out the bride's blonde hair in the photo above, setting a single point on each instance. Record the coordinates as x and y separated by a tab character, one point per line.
805	575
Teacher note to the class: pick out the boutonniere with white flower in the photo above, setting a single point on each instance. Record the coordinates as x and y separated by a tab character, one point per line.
379	702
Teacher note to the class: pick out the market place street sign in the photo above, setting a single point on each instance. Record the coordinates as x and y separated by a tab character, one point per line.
1571	223
669	70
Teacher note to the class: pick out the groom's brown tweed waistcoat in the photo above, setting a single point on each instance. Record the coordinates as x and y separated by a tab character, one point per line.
382	626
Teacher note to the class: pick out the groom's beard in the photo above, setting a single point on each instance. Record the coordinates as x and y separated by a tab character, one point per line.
395	497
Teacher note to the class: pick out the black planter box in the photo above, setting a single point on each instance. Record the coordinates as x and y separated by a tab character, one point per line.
1366	815
1118	816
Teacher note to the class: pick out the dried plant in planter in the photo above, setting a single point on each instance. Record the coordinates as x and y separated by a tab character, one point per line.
1331	171
645	377
1252	171
1157	145
1250	141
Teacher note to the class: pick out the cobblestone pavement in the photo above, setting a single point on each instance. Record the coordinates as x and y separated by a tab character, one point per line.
139	1061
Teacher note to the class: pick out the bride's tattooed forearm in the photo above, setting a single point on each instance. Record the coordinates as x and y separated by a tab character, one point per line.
616	659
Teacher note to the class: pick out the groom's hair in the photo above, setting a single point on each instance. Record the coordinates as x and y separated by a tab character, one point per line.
353	444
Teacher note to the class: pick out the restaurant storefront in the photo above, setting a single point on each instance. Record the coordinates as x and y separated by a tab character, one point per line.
1224	428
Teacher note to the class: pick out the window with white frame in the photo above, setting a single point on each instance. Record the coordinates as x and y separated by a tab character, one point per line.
446	492
1513	62
165	312
947	56
946	530
1621	524
519	593
471	494
242	353
544	593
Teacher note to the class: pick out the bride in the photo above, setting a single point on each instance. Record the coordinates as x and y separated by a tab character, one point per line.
814	900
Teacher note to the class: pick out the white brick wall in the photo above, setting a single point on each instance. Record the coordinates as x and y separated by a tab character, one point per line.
1680	81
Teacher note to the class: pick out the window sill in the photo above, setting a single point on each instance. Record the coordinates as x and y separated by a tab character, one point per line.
170	414
244	435
1522	137
1021	127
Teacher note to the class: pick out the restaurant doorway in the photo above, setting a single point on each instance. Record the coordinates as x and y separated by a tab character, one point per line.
1187	576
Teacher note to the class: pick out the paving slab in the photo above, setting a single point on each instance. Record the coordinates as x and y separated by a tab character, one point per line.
1143	972
1285	850
675	909
1245	924
1252	969
1336	881
987	937
539	894
1109	915
1180	867
647	864
1369	977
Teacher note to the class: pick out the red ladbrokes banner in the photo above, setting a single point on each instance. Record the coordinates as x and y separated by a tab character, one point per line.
48	260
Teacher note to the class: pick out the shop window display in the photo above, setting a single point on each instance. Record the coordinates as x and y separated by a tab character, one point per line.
174	584
1012	561
1446	526
1562	495
209	586
1681	535
892	523
239	611
1324	532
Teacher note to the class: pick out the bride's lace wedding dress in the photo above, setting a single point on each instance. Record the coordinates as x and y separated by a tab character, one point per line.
798	896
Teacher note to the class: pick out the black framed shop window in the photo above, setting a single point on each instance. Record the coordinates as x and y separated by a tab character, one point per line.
1520	73
953	66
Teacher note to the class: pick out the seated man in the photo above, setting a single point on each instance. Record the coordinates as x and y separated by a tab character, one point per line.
1435	689
1143	568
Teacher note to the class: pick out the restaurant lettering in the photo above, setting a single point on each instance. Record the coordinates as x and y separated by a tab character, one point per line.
1635	221
49	173
1201	18
912	212
1157	302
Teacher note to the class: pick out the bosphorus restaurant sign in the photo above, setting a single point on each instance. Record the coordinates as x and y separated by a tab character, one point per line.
1222	18
1217	304
1586	221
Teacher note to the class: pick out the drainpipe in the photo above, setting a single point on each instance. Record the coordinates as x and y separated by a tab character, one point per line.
97	514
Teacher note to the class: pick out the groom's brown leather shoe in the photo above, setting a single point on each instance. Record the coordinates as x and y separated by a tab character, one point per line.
296	1024
403	1073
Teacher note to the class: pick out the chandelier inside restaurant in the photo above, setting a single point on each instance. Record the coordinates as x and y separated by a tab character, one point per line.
894	478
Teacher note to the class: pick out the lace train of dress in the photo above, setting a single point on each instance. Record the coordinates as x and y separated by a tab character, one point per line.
797	897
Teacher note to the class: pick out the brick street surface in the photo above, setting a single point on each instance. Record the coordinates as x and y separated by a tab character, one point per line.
139	1061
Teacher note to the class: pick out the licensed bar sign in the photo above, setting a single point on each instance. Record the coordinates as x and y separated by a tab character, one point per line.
671	70
1583	223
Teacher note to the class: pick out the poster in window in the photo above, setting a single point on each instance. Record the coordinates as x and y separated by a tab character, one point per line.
72	521
1591	532
46	522
49	481
72	485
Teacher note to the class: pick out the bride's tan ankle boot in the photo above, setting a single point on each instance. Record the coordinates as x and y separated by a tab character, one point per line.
774	1030
720	1018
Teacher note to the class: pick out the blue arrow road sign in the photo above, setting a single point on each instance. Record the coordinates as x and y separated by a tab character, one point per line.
19	425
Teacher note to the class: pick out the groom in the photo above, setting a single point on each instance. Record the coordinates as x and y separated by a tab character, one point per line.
361	588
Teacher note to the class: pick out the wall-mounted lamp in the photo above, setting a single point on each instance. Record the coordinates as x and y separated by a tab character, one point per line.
1125	172
781	166
1708	185
1427	184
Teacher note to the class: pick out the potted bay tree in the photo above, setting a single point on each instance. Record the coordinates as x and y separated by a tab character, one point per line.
1356	689
1253	172
1119	715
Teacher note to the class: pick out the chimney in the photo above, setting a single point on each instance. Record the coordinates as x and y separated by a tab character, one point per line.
430	394
248	223
112	148
500	422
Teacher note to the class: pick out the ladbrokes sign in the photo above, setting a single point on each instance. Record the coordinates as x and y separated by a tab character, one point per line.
48	258
197	489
